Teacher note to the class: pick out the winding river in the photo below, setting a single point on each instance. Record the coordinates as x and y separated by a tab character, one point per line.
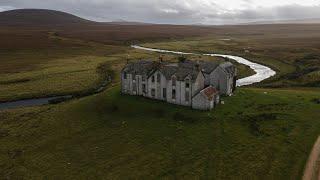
52	99
262	73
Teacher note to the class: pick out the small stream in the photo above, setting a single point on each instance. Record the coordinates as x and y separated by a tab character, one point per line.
31	102
51	100
262	73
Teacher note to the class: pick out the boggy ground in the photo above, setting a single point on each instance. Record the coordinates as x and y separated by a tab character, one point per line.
64	66
295	56
258	133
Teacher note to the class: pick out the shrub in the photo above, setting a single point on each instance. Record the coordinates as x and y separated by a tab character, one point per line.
159	112
182	58
181	117
316	100
255	120
113	107
105	70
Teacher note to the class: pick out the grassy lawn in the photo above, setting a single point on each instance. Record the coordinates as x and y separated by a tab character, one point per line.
258	133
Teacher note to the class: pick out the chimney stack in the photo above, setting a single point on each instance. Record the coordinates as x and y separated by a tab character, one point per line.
127	58
160	58
198	66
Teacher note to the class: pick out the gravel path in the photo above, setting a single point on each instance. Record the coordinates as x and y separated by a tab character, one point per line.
311	171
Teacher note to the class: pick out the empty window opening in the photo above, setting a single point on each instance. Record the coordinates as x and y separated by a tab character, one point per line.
153	92
173	94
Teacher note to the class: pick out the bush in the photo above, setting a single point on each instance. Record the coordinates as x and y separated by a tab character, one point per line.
113	107
316	100
105	70
255	120
181	117
158	112
182	58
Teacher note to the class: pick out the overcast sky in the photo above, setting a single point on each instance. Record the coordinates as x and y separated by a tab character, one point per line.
178	11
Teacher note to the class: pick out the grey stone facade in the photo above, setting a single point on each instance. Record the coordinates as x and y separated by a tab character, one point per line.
189	83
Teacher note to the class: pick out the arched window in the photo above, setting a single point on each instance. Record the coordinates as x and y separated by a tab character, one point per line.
124	75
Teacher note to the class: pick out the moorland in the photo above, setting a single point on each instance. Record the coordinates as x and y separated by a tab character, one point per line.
264	131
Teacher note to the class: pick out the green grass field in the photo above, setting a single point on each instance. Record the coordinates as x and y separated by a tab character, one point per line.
258	133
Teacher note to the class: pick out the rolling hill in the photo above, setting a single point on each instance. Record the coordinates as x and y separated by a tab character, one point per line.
38	17
21	28
23	25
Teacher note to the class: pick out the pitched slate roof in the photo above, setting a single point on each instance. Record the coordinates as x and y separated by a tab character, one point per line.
228	67
141	67
206	66
181	70
168	71
209	92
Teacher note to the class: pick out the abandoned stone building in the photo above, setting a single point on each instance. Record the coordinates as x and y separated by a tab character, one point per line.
197	84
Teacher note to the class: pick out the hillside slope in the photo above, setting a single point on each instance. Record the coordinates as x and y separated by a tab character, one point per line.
19	27
38	17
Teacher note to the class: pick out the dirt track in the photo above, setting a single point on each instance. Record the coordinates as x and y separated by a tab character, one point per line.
311	171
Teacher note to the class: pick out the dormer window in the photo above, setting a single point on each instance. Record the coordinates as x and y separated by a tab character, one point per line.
158	78
152	79
174	81
187	82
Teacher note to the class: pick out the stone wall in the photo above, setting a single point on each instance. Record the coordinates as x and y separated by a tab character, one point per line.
155	90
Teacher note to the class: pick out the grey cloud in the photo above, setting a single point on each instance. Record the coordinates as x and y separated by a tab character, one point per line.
166	11
289	12
6	8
